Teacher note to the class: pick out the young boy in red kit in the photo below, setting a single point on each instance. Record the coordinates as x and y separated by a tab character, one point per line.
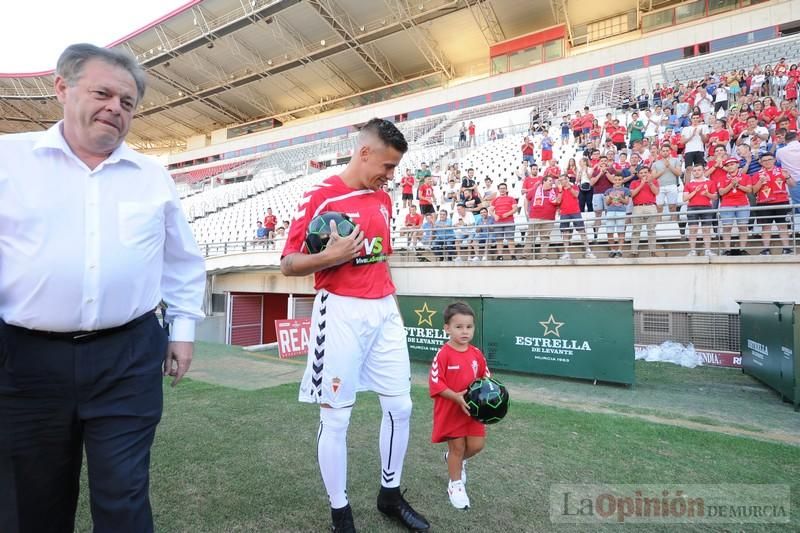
456	365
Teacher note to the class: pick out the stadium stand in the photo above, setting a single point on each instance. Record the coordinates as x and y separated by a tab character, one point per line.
742	58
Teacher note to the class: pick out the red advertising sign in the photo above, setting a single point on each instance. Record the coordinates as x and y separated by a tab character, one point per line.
719	358
711	357
293	336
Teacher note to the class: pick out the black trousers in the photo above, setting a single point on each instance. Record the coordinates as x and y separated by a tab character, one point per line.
59	398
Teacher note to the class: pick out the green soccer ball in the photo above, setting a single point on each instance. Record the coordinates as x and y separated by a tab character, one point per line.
487	400
319	230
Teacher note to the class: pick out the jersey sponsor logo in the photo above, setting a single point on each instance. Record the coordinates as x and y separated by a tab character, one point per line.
373	249
453	367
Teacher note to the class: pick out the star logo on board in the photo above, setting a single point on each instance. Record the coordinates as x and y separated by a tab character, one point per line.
425	315
551	326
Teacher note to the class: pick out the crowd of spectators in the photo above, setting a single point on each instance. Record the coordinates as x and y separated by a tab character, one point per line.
718	146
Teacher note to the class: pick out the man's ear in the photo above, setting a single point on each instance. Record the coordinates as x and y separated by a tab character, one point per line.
60	86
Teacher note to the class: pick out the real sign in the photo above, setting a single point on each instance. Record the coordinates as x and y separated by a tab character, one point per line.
293	336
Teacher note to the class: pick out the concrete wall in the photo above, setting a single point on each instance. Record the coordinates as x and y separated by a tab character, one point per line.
662	284
212	329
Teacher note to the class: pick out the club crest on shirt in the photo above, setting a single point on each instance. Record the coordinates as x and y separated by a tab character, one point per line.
474	368
335	385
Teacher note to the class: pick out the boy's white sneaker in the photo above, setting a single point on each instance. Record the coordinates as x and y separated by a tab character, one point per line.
458	495
463	467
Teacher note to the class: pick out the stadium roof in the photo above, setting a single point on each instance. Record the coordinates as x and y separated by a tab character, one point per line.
216	63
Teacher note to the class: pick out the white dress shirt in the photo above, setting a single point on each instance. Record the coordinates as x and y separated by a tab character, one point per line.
82	249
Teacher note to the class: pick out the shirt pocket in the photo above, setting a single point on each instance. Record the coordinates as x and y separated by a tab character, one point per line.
141	224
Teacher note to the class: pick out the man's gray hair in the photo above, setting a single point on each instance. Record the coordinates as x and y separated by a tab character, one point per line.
74	57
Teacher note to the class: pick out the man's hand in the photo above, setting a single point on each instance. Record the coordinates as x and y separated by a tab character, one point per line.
344	249
178	359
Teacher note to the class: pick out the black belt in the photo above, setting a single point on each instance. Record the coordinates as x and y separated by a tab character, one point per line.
78	337
649	203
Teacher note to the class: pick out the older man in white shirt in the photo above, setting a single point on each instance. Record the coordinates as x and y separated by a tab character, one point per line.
92	239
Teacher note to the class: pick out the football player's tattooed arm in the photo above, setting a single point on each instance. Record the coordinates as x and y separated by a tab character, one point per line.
339	250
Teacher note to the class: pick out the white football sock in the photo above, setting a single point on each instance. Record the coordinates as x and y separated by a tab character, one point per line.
332	452
394	437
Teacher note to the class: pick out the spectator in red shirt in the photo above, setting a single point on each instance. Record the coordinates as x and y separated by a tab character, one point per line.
770	185
426	196
618	134
719	135
788	111
552	169
270	221
542	206
527	150
644	190
734	207
699	193
505	207
570	216
471	130
577	124
407	185
413	223
531	179
769	113
586	123
600	180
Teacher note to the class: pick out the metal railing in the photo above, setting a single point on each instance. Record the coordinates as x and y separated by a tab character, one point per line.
757	228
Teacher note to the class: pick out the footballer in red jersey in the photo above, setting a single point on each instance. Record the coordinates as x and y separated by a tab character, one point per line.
358	341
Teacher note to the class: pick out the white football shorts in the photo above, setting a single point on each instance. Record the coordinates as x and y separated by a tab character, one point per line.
356	344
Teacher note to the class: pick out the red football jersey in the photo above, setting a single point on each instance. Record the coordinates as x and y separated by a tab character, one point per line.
735	197
569	202
718	175
366	276
425	194
414	220
553	171
775	190
530	183
645	195
408	184
542	204
718	137
699	200
502	205
586	121
454	370
270	221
